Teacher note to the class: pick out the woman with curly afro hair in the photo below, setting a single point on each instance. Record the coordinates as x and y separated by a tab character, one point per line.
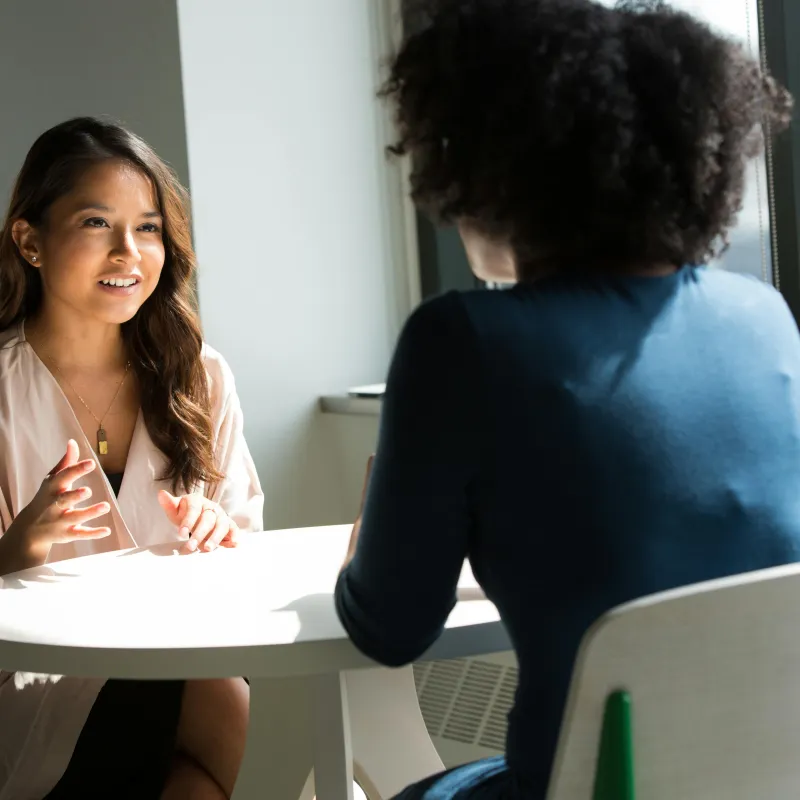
624	420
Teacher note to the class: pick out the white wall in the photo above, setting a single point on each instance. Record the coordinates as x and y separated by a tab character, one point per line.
94	57
300	243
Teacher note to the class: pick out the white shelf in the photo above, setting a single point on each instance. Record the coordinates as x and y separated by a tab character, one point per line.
346	404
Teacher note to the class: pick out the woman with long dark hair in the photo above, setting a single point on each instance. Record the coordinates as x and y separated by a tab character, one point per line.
621	421
119	427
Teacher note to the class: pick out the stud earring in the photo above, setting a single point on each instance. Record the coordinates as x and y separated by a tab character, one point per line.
34	259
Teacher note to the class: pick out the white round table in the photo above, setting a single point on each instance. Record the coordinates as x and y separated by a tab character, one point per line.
264	610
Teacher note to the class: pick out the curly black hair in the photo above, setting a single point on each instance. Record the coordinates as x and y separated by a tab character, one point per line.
587	137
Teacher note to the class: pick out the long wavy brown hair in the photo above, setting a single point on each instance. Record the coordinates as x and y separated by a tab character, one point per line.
164	339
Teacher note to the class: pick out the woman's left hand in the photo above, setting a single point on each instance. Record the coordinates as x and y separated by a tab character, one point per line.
354	533
202	523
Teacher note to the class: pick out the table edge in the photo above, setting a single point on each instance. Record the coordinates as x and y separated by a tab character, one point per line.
256	661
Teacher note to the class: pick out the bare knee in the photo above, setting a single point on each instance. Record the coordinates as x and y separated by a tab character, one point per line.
213	727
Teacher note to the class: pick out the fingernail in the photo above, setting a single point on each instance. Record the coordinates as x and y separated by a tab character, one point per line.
191	544
210	545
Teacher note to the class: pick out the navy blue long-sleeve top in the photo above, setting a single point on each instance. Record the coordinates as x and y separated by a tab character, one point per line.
583	442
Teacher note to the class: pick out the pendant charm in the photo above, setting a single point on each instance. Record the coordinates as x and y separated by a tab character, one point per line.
102	442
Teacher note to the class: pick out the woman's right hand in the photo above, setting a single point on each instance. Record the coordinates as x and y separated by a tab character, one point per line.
52	517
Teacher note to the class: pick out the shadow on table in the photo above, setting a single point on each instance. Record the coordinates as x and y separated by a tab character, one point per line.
164	549
52	573
52	576
315	611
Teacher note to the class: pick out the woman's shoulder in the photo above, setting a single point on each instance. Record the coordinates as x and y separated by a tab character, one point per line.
468	316
215	363
9	339
456	322
16	360
451	311
222	385
742	288
747	299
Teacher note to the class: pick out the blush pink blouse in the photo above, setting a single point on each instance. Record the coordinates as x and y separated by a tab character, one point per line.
41	721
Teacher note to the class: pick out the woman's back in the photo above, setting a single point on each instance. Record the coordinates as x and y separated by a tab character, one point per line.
587	441
644	434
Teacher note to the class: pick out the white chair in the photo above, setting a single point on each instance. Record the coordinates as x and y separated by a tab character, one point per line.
708	679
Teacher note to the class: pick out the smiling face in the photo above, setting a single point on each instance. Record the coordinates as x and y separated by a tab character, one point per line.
100	249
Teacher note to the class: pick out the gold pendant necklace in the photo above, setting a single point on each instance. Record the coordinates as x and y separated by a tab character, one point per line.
102	439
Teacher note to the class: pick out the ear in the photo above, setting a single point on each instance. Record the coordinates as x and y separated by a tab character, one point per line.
26	239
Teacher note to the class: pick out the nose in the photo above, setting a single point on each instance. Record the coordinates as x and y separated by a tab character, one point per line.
125	249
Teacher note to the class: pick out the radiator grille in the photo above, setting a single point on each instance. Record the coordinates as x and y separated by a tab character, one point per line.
466	700
494	729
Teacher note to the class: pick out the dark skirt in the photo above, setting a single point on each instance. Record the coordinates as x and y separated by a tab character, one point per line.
127	745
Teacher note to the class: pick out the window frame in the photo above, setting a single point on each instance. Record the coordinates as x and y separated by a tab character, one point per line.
779	22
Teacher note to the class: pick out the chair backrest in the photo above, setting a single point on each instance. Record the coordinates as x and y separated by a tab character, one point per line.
713	676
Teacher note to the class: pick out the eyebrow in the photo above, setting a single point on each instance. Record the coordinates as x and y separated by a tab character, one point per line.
108	210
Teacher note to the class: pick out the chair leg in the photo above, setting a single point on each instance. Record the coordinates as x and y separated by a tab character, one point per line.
391	745
296	723
333	752
309	790
278	754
